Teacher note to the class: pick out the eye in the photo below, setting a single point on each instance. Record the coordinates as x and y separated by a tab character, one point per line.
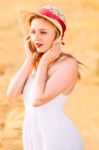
33	32
43	32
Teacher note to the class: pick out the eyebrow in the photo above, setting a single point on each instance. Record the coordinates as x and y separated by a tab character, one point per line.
39	29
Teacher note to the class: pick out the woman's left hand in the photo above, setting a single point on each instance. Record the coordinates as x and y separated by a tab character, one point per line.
52	54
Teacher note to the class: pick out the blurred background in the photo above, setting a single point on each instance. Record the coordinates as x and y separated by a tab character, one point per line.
82	41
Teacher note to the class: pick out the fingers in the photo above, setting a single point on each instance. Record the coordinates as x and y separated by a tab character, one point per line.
26	38
27	41
55	48
55	52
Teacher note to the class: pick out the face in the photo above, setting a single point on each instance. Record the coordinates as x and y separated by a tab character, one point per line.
42	34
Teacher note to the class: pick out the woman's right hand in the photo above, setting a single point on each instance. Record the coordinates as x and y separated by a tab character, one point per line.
28	48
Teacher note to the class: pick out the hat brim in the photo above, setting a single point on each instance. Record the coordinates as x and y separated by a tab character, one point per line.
25	17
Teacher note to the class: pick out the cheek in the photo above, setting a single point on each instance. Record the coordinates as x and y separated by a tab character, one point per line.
48	45
32	38
50	38
49	42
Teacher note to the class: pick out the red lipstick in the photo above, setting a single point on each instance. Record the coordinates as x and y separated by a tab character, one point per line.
38	45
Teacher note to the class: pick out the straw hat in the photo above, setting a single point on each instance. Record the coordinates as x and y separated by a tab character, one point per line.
51	13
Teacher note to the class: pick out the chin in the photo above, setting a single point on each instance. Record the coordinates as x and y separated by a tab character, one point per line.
41	51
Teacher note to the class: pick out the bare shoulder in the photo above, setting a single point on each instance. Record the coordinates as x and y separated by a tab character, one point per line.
70	63
64	73
66	64
71	71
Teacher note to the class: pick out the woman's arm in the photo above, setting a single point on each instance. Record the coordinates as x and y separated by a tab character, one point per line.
17	83
39	82
63	78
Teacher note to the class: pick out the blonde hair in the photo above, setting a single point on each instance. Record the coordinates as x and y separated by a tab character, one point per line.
39	55
32	47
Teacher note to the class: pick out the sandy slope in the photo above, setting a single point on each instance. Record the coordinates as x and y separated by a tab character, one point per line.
82	40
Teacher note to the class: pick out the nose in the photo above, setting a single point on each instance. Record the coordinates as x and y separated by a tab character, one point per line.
36	37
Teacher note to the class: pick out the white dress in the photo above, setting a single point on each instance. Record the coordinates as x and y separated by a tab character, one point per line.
47	127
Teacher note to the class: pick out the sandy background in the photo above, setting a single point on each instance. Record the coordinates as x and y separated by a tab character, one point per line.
82	40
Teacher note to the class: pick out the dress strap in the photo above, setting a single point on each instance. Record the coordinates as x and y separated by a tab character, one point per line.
62	56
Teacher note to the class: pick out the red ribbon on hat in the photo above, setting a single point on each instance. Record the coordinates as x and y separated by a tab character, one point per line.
48	13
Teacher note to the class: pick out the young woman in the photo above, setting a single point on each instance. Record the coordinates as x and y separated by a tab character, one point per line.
46	79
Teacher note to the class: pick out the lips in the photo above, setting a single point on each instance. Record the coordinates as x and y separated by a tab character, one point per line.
38	45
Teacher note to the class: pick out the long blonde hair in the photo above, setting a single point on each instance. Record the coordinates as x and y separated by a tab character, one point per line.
32	47
38	55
